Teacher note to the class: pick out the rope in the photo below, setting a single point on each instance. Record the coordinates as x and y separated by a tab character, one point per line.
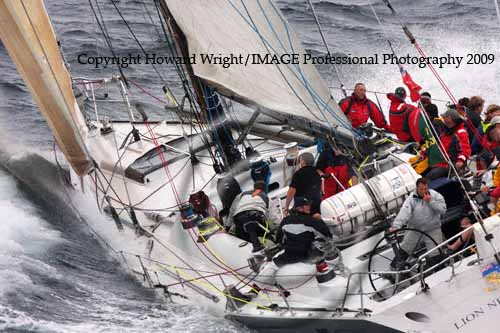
316	98
342	88
497	9
302	79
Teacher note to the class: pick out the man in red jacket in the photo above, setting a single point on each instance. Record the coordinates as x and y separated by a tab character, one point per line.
359	109
399	114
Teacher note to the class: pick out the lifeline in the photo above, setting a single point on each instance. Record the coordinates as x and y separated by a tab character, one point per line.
385	59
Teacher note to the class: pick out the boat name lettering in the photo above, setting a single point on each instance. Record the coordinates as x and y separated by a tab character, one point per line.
494	304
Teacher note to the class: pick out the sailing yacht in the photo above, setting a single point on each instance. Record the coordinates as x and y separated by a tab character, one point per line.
142	173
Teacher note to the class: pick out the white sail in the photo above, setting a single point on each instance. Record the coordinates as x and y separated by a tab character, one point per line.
27	34
249	30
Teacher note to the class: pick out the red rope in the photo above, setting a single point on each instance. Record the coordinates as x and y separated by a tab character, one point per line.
164	163
147	92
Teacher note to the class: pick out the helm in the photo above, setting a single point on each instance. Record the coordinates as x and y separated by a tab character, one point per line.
400	92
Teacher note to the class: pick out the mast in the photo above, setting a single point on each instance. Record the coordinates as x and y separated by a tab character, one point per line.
206	97
29	38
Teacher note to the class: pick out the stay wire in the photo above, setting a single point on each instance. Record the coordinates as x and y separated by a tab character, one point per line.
185	82
102	27
142	48
325	43
305	82
266	44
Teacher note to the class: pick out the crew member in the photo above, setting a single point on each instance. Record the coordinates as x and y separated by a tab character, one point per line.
429	107
473	112
296	233
399	113
492	111
202	205
455	143
359	109
422	210
248	212
491	139
306	182
337	173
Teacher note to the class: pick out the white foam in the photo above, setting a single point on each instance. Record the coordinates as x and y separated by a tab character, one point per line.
23	235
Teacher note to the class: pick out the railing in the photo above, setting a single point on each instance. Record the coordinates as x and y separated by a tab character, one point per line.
420	263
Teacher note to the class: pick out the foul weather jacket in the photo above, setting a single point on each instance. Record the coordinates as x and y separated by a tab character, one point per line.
339	174
297	231
421	215
359	111
399	113
456	143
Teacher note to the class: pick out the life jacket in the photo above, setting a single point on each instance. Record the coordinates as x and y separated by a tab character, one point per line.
399	113
331	185
486	143
359	111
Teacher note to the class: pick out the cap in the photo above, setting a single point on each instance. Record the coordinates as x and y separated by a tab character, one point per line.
301	201
426	95
453	114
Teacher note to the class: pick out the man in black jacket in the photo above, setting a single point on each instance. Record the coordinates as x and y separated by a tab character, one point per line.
430	108
296	233
306	182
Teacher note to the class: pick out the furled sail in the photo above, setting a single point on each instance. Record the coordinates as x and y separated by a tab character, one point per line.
251	30
27	34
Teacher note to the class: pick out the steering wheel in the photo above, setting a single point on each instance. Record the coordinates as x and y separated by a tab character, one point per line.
384	255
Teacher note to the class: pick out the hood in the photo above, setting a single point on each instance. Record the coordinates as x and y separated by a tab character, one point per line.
394	98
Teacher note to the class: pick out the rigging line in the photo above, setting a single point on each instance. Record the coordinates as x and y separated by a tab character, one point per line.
305	82
266	45
413	41
117	199
180	258
106	35
139	44
232	117
185	83
326	45
384	93
187	89
159	188
451	165
119	156
302	79
210	91
384	32
164	164
174	266
151	19
431	67
497	9
227	270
